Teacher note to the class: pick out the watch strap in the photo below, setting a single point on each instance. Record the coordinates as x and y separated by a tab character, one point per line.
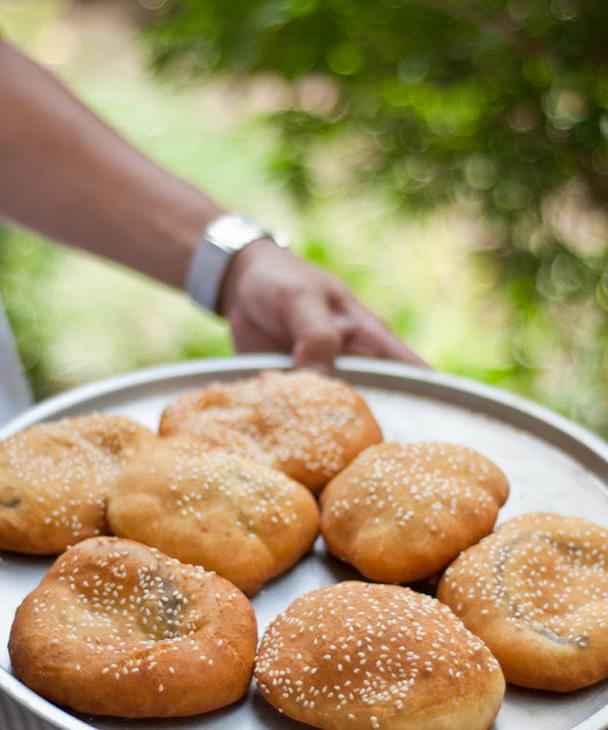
222	239
206	273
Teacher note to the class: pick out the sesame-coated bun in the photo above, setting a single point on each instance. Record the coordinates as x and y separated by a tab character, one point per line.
116	628
536	591
54	478
217	437
118	436
359	656
245	521
313	425
401	512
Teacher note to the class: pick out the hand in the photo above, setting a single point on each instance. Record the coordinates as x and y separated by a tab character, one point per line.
277	302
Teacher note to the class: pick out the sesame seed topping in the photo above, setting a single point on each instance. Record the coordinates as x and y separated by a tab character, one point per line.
400	512
126	611
293	416
390	635
541	573
55	478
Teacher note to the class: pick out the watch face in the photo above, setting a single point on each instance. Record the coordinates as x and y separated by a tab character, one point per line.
232	232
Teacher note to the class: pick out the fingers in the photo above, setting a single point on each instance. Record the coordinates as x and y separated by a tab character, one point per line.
392	348
320	334
383	345
317	338
371	337
248	337
313	316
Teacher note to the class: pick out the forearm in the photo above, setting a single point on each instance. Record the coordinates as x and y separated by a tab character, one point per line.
64	173
67	175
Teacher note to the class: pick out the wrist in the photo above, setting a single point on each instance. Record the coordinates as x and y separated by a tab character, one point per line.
224	240
237	269
180	228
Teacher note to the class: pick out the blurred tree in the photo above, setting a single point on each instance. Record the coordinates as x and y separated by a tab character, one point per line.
501	102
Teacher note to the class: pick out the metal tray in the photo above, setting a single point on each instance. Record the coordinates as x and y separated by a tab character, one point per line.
552	465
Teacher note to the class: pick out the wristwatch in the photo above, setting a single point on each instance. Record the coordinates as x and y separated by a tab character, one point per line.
222	239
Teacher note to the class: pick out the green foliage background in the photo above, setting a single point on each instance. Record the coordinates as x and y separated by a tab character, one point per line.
502	103
449	160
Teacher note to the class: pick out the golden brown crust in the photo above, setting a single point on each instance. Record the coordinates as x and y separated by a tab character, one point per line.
243	520
116	628
54	478
118	436
361	656
536	591
217	437
401	512
313	425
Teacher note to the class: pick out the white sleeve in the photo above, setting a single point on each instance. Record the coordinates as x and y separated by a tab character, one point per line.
15	395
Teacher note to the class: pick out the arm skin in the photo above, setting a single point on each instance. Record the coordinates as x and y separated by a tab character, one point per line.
67	175
64	173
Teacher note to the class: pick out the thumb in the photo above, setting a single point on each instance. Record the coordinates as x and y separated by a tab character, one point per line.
315	336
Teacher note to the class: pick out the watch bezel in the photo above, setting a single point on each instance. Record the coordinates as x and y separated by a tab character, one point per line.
233	232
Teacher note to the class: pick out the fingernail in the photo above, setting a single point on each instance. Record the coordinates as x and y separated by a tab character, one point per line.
318	366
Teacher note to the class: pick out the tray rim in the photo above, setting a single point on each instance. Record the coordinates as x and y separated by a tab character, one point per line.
486	398
346	365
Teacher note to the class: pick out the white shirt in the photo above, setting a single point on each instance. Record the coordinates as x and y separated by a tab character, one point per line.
15	395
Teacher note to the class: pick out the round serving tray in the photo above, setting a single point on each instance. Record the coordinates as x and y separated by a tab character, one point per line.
552	464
